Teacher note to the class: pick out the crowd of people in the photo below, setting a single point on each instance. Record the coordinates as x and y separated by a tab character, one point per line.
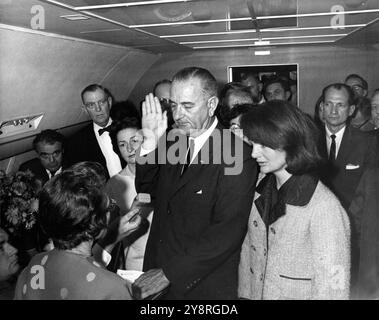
249	196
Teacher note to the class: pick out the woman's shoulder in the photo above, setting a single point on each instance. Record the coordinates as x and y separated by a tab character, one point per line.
323	195
326	204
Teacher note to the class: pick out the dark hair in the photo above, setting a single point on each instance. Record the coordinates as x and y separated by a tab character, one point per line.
71	210
239	110
280	125
363	105
48	136
123	109
117	126
249	74
357	76
340	86
209	83
93	88
375	92
316	117
230	88
283	83
94	171
164	81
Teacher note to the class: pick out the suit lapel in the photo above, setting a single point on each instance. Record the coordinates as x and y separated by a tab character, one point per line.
343	152
198	163
94	147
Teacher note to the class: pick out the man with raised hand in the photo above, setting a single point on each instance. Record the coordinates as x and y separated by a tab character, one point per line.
202	205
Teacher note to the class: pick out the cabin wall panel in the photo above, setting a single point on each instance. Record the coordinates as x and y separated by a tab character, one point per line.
42	73
318	66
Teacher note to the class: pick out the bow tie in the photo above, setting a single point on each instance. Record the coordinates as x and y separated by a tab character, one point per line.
101	131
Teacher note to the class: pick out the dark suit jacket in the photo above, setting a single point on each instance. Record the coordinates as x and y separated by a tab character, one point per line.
364	211
83	146
200	220
35	166
358	150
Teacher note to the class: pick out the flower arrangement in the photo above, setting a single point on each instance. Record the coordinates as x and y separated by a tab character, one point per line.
18	200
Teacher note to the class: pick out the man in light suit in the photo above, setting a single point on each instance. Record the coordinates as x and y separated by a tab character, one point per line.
201	211
49	145
92	143
349	151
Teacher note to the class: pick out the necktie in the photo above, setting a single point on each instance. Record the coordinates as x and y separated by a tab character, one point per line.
332	152
190	150
101	131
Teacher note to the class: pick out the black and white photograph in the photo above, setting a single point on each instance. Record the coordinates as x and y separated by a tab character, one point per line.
207	151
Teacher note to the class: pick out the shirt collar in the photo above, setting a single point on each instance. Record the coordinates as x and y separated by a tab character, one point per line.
206	134
96	127
56	172
338	134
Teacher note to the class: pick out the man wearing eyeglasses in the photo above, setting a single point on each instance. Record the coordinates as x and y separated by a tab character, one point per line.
49	145
93	143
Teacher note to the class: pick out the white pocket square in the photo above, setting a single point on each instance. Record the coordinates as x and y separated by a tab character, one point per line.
352	166
199	192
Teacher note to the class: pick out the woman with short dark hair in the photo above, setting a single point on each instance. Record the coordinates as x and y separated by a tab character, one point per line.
126	139
297	244
72	211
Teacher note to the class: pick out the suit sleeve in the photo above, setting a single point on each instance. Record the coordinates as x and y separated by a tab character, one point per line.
372	159
330	238
147	172
224	235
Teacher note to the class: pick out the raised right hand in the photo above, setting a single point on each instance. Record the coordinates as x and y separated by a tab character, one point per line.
154	122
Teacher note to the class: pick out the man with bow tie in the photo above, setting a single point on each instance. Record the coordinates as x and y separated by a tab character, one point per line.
93	142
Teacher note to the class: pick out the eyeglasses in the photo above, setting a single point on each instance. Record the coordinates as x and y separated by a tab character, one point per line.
46	156
92	105
338	105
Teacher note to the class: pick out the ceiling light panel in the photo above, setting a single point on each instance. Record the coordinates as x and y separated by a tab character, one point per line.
272	44
264	40
74	17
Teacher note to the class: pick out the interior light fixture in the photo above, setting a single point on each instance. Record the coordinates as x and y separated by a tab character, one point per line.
264	41
300	15
19	125
272	44
127	4
262	52
74	17
254	31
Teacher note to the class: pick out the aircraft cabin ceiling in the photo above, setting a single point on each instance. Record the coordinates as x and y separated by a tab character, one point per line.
183	25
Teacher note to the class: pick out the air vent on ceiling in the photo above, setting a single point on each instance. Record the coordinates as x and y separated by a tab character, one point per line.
262	8
74	17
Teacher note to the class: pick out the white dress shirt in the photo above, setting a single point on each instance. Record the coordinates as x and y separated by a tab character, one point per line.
201	139
105	143
52	175
338	139
198	141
